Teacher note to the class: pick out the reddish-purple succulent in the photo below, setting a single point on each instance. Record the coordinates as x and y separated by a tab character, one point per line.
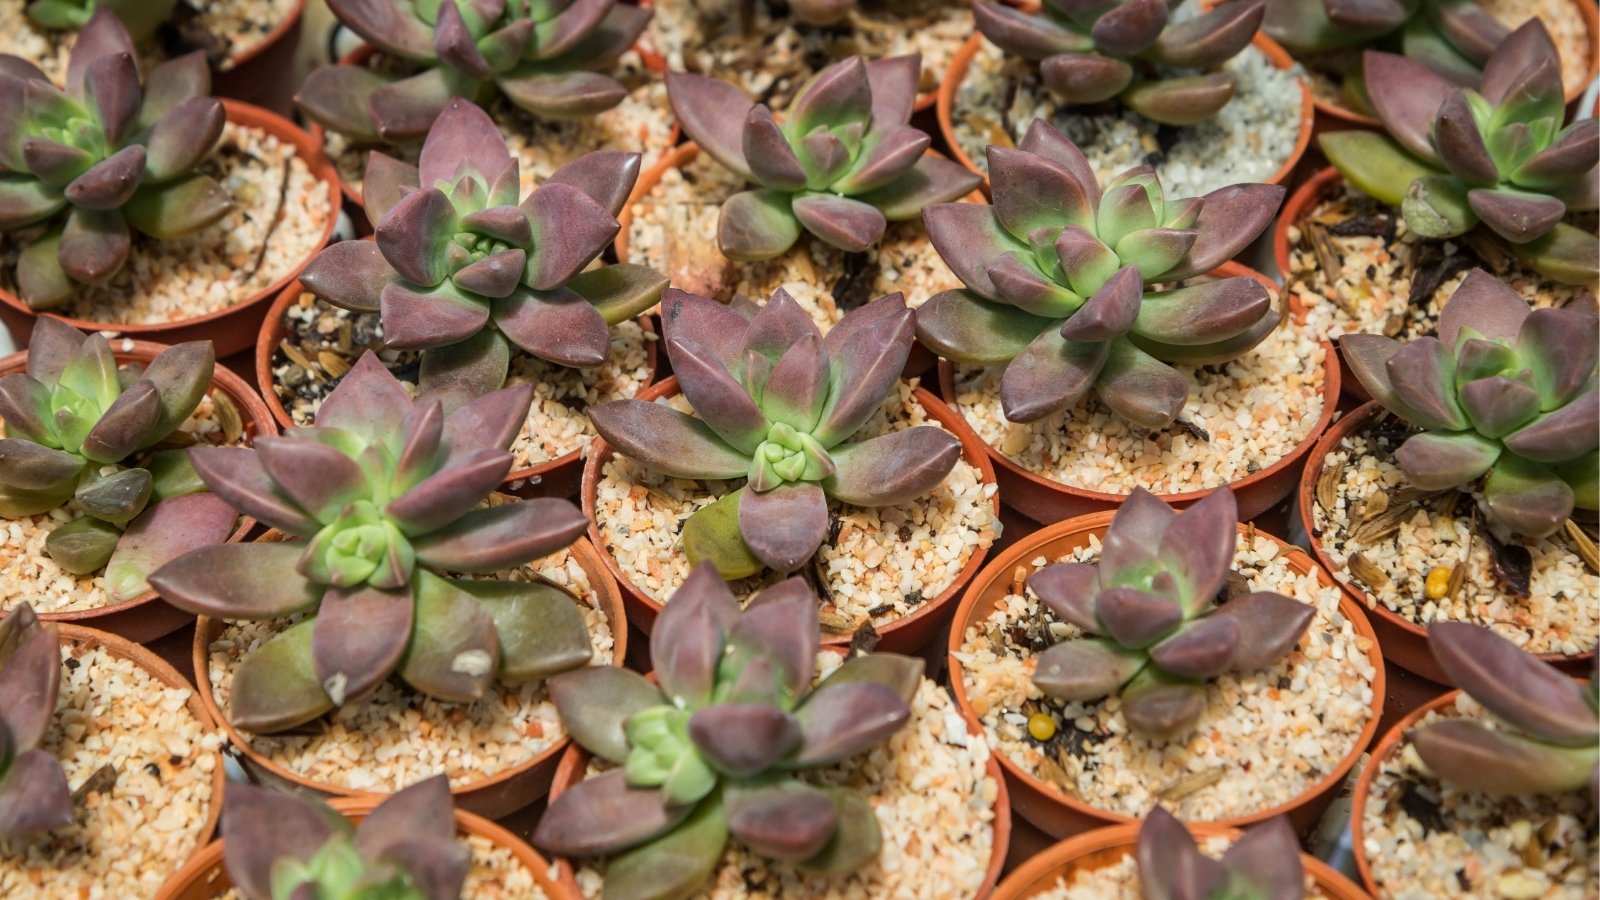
1153	602
87	436
34	795
1505	396
381	503
117	156
776	404
140	17
545	56
462	271
714	750
843	163
279	846
1061	279
1091	51
1263	864
1543	737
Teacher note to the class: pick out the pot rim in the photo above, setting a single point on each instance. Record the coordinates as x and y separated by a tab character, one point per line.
289	21
1096	523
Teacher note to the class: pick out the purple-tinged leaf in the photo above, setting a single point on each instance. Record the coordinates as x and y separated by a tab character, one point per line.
884	160
1485	304
1028	35
1406	95
664	440
1085	78
1111	311
183	137
1436	461
164	532
572	229
901	674
1198	545
1171	867
561	32
261	827
369	402
558	325
1513	684
102	36
864	365
384	183
275	687
690	634
1052	374
391	27
1032	192
338	97
1517	216
791	821
797	388
25	200
94	245
778	325
1085	670
1129	28
452	492
713	113
502	537
454	654
318	478
1565	434
1527	497
784	527
968	236
842	720
1200	649
1498	763
358	639
54	343
1525	47
721	402
455	46
603	815
1068	589
415	235
1135	618
238	476
756	225
1212	38
850	225
743	739
1044	140
781	627
1423	376
1460	144
1268	858
893	468
961	326
595	702
767	150
1162	709
1498	405
836	95
1270	625
1204	313
34	467
606	176
1564	160
1230	218
177	208
931	180
1018	280
563	96
540	627
55	164
894	82
30	674
25	406
424	810
349	274
34	796
109	183
493	276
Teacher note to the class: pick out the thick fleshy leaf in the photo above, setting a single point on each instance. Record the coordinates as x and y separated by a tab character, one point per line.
83	545
719	399
276	687
33	467
596	701
1496	762
969	236
238	476
572	229
851	225
1032	192
25	407
780	627
94	245
797	387
1140	388
25	200
1136	618
56	164
666	441
41	282
901	674
1200	649
494	276
1230	218
856	839
109	183
34	795
784	526
713	113
1018	280
1560	347
358	639
1564	160
756	225
931	180
864	365
1131	27
183	137
884	160
1498	405
711	535
1182	101
1160	708
606	176
603	814
492	420
892	469
1267	857
558	325
767	150
454	654
1513	684
1406	95
540	626
676	864
842	720
1211	38
1565	434
1423	379
415	828
1171	867
1085	78
116	498
1517	216
688	639
961	326
171	83
454	43
262	826
561	32
391	27
743	739
102	36
1028	35
1270	625
414	236
1086	670
164	532
178	208
450	493
1203	313
791	821
1068	589
1051	375
1156	251
1527	497
30	674
1111	311
1436	461
1460	143
315	476
337	97
563	95
349	274
1524	47
384	183
1564	254
502	537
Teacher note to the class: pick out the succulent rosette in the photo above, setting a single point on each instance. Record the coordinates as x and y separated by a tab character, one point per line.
1152	603
84	435
714	749
1544	736
277	845
841	166
34	795
1497	155
463	271
1092	51
380	502
117	156
1059	276
775	403
546	56
1263	864
140	17
1453	38
1504	395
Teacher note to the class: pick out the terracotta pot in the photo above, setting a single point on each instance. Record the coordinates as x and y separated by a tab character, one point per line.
147	617
962	62
1046	500
498	795
903	635
206	878
559	477
1405	643
1060	814
232	329
260	74
1111	845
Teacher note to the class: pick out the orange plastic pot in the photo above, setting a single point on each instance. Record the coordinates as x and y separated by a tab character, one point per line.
961	63
1046	500
559	477
260	74
1405	643
146	617
1386	748
1062	815
904	635
232	329
1111	845
493	797
206	878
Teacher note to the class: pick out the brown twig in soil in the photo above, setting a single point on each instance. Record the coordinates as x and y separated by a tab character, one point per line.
272	224
103	779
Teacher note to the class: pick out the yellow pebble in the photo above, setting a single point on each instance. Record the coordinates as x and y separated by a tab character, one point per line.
1437	584
1041	726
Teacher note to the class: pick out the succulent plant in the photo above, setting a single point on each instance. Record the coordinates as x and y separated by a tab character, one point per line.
1455	157
714	750
1057	273
1544	740
382	498
776	404
140	17
1263	864
842	165
545	56
34	795
1453	38
1092	51
85	435
1504	394
278	846
115	155
1152	601
462	271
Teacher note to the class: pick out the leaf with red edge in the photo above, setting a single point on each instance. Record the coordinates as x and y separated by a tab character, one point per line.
842	720
1085	670
785	526
893	468
603	815
690	634
790	821
713	113
664	440
502	537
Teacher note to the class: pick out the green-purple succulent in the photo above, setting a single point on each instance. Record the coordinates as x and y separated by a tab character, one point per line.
87	436
714	750
1091	51
1497	155
776	405
462	271
842	165
1060	278
381	502
140	17
1153	602
279	846
1505	396
34	795
116	156
1543	740
545	56
1263	864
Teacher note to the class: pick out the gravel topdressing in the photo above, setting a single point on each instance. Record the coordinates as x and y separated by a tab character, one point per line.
1426	531
1266	737
136	830
1249	140
1424	838
931	791
397	736
1119	880
877	565
324	342
234	27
